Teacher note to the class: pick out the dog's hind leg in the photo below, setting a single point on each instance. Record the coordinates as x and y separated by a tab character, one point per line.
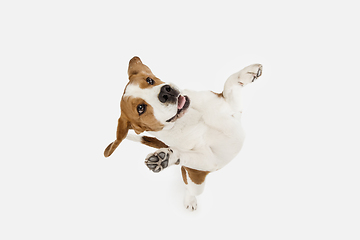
234	84
195	183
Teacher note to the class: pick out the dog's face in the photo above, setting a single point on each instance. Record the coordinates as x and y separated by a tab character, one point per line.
148	104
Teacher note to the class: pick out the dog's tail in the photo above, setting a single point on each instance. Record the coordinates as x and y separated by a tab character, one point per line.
149	141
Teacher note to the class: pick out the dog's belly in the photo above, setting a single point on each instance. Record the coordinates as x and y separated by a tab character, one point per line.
216	148
226	147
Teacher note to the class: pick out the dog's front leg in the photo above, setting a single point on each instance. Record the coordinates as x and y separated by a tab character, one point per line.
203	159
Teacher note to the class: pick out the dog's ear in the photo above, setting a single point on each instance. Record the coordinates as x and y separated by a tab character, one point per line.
136	66
121	133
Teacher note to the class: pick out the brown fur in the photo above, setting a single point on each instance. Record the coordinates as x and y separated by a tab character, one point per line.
196	176
153	142
140	80
121	132
143	122
220	95
183	173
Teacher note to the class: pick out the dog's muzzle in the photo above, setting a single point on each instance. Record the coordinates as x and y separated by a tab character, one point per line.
183	103
168	94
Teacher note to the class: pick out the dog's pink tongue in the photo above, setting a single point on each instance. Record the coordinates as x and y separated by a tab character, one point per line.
181	102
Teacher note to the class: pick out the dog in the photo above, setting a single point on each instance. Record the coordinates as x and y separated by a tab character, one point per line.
200	131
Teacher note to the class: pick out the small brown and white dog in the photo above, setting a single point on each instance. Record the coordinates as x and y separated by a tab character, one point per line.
201	131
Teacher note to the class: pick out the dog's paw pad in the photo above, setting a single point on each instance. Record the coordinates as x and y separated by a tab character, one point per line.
157	161
162	155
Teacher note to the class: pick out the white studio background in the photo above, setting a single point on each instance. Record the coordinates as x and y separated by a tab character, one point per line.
63	68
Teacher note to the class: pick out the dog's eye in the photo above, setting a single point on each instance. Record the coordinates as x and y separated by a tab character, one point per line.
150	81
141	108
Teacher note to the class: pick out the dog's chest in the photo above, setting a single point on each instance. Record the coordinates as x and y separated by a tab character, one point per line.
207	124
187	133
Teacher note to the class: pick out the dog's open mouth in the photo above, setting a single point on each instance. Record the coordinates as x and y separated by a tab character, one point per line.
183	104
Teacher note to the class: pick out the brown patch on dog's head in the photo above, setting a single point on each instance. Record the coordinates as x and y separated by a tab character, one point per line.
139	122
141	75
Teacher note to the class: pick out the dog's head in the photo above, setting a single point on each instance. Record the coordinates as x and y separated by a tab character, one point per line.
148	104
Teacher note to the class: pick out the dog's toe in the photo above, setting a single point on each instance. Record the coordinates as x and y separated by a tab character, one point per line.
190	203
249	74
259	71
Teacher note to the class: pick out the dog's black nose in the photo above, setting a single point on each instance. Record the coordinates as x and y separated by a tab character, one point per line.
168	94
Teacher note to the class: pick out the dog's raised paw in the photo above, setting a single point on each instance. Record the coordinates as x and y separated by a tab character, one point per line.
249	74
157	161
